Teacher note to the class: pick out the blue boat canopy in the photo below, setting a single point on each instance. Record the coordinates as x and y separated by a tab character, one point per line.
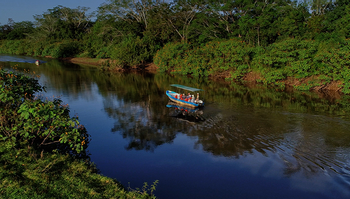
186	87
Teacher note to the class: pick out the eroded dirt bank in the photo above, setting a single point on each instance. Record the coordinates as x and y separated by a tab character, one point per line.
332	88
151	67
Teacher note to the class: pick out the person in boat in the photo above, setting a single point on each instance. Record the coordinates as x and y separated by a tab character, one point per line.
188	97
197	100
37	62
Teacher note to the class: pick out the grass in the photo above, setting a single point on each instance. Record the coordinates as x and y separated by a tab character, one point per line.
54	175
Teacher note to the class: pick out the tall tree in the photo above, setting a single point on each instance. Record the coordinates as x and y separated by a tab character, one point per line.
291	21
62	23
256	19
129	10
342	24
318	7
6	29
336	17
21	30
180	14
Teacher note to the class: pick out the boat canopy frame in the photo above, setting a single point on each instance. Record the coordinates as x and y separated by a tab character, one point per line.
186	87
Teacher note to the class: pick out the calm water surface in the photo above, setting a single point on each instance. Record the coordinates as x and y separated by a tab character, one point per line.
247	142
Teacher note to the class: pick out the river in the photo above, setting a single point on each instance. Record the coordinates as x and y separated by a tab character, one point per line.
248	141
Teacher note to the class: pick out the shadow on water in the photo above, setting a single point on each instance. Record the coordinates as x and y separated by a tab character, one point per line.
308	131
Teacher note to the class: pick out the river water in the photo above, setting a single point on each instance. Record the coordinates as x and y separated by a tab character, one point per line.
249	141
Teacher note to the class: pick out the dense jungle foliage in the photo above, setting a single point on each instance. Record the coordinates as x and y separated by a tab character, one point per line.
43	149
275	38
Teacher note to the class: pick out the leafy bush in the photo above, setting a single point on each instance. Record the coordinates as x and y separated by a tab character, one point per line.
300	59
214	57
11	46
29	121
167	58
43	150
133	50
66	48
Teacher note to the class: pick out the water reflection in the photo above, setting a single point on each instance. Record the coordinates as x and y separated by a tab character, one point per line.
185	113
139	124
141	111
304	132
315	145
304	142
19	59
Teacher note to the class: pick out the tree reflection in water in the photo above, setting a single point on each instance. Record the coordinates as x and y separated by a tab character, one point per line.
316	144
139	124
302	142
230	137
300	127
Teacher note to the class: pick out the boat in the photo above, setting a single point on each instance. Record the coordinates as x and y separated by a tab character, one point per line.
189	101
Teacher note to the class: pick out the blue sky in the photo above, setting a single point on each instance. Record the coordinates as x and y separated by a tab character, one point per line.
24	10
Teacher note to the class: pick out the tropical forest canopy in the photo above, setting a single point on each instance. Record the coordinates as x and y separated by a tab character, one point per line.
278	38
150	24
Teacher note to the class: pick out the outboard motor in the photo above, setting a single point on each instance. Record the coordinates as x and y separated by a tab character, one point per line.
200	102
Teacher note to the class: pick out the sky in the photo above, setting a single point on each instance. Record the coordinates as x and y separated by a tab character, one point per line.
24	10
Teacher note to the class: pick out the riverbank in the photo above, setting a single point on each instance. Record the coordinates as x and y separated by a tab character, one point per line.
82	60
108	100
43	151
253	76
100	63
303	64
295	82
31	174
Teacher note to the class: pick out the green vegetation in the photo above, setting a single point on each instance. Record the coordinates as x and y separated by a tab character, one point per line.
43	149
278	39
299	59
214	57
